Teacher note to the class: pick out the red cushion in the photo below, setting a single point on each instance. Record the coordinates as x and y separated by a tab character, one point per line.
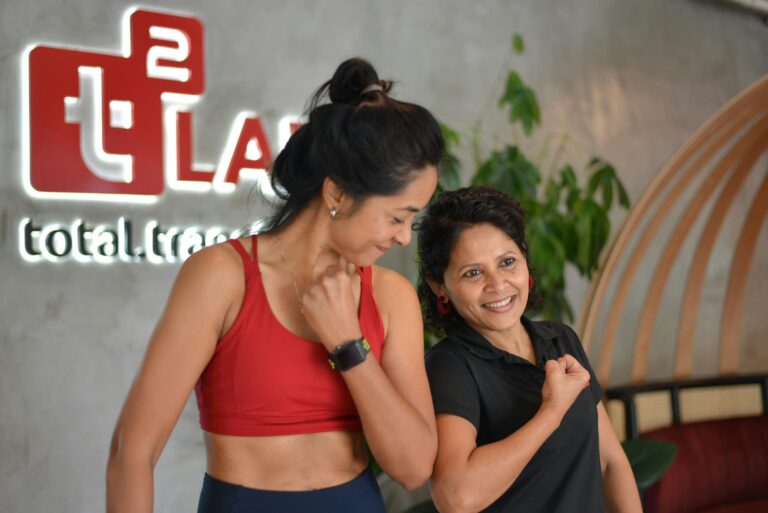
759	506
719	463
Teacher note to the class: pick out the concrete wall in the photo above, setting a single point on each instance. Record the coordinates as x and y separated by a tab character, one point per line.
630	80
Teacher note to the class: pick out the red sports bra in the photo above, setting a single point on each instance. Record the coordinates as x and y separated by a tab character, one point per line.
264	380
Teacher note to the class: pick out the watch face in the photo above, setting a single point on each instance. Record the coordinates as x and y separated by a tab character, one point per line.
351	356
347	356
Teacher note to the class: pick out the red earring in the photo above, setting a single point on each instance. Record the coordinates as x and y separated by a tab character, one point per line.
530	282
443	306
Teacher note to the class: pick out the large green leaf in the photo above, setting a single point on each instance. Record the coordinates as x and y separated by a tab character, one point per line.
649	459
551	195
449	173
623	196
510	171
450	136
547	253
568	177
592	228
605	179
523	106
450	165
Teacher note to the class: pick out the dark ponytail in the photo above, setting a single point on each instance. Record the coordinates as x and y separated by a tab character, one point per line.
365	141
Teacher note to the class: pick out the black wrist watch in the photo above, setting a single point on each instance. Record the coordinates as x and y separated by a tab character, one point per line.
347	355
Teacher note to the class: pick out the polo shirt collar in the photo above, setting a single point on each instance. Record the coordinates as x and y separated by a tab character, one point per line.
542	336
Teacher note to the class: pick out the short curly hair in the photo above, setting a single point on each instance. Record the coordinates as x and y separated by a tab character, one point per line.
439	229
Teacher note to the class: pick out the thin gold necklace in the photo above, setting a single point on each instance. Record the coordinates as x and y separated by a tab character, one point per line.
290	271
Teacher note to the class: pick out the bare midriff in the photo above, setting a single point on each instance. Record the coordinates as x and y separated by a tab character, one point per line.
287	462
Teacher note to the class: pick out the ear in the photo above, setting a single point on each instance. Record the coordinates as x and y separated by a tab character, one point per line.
332	194
437	288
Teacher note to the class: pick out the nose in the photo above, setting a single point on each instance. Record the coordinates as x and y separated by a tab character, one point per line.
494	281
403	235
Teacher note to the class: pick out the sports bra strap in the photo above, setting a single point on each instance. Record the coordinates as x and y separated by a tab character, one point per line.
366	275
249	263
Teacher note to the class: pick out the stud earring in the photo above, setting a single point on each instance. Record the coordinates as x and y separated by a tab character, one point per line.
530	282
333	212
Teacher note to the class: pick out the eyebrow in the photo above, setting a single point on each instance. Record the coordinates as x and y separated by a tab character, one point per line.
507	254
410	209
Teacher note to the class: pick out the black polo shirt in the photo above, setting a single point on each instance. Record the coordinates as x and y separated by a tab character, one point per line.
499	392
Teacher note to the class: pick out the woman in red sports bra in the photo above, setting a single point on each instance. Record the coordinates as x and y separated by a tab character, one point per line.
300	351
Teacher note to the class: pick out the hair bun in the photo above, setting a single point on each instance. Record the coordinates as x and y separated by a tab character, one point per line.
353	78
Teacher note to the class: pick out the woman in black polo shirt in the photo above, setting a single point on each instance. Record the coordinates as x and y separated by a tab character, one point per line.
518	431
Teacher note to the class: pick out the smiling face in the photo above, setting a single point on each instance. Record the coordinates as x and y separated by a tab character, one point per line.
371	228
486	280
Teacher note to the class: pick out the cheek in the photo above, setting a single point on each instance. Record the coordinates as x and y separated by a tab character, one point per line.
382	232
369	225
463	297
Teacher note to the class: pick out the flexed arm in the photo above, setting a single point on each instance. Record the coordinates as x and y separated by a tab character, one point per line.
469	478
392	398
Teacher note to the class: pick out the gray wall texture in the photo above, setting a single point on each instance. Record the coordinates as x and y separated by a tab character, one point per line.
628	79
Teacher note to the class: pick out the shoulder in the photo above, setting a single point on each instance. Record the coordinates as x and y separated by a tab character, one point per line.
446	356
393	292
396	302
389	282
216	270
220	258
451	380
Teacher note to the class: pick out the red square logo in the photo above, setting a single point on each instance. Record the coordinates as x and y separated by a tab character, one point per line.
94	120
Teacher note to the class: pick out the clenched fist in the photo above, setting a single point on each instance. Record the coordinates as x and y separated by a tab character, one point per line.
330	306
565	380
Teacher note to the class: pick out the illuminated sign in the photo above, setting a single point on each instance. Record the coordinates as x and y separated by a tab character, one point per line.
104	243
116	126
104	126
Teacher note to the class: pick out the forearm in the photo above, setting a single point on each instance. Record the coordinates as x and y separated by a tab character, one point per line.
620	488
130	486
402	440
490	469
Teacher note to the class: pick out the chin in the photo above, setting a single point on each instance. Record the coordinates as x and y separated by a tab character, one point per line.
361	259
508	323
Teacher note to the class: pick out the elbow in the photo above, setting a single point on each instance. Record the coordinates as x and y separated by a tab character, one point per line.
124	449
412	470
414	477
452	499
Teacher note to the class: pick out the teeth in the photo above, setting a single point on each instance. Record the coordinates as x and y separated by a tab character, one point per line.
503	302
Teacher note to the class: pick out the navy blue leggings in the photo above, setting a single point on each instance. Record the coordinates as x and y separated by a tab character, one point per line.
361	495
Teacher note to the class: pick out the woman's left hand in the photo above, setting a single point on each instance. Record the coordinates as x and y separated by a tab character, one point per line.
330	307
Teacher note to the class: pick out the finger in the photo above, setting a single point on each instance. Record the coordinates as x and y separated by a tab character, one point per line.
347	266
571	364
552	366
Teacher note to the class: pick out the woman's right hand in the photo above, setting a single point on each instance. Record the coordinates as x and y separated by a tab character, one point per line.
565	380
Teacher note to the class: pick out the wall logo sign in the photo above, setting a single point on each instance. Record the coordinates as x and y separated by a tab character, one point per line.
117	126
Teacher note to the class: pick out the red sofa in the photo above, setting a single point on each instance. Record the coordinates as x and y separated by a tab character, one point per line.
721	467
